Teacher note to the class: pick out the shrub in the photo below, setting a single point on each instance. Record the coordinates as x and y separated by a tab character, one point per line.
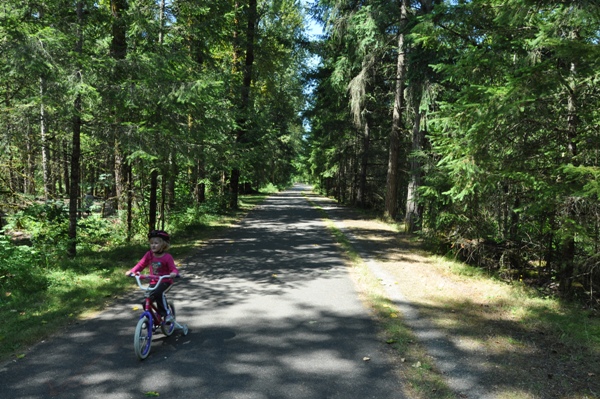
21	270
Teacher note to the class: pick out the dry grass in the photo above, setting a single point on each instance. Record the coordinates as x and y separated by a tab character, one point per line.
527	347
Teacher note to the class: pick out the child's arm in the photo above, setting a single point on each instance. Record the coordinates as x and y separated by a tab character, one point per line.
141	265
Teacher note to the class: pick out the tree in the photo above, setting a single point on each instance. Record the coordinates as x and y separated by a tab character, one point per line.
391	191
76	140
499	100
243	49
502	137
133	100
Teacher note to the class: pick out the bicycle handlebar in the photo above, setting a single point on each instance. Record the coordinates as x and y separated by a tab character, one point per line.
139	277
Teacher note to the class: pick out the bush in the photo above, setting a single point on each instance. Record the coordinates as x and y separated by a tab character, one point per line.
270	189
21	270
95	232
46	226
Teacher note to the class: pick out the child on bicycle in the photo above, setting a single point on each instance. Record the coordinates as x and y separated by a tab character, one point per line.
161	263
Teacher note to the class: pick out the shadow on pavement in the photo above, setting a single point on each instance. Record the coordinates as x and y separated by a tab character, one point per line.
272	314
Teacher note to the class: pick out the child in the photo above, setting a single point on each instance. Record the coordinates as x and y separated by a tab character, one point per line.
161	263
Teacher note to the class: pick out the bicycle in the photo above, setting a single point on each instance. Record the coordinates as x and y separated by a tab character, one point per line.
151	320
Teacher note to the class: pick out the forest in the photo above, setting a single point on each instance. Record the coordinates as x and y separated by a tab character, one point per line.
475	124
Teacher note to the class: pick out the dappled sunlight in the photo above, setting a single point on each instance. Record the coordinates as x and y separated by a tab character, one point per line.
495	351
497	344
312	362
270	315
262	355
469	344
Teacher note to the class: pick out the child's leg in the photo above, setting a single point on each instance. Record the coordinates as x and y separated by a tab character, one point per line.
161	300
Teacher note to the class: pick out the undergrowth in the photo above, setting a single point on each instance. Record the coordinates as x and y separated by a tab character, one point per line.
531	322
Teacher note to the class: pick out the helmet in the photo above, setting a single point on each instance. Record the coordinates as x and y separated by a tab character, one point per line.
159	233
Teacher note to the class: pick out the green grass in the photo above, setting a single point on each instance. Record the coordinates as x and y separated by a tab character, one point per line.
574	325
77	288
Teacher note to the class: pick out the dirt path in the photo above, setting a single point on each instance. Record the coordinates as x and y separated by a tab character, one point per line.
484	349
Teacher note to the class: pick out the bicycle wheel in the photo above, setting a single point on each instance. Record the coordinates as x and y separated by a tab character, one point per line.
169	326
142	339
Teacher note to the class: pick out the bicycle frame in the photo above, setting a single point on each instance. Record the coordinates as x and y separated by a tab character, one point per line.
150	319
151	311
150	308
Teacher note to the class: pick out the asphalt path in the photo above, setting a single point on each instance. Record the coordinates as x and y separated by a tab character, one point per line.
272	313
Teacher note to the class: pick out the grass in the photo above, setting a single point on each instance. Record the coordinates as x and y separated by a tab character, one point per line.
573	324
541	347
416	368
535	346
87	284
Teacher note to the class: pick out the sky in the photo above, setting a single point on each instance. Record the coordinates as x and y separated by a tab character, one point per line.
313	29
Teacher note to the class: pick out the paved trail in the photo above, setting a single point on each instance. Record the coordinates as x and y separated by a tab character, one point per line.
272	315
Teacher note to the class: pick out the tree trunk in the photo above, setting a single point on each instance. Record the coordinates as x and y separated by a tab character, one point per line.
29	183
200	187
153	200
391	191
119	172
245	97
234	182
172	176
74	181
76	146
118	51
153	206
364	161
568	243
118	46
65	168
413	210
47	180
129	174
161	21
11	173
163	200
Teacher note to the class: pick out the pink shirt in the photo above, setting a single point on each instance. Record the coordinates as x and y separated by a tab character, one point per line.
159	266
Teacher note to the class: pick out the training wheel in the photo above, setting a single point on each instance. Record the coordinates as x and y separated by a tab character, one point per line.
185	329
